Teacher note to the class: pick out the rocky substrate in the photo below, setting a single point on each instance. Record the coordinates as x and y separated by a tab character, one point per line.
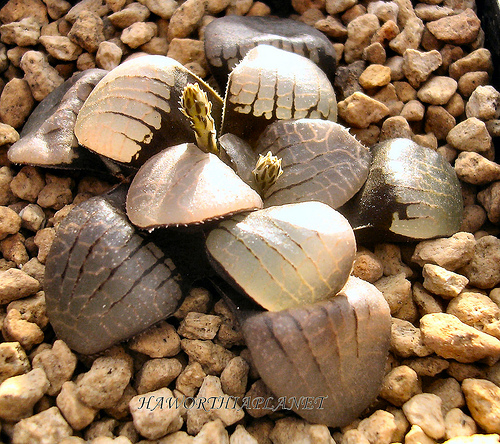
418	71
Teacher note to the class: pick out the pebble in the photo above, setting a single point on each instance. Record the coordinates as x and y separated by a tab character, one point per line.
438	90
19	394
448	389
213	431
288	430
483	271
424	410
367	265
332	27
438	121
474	168
478	60
242	436
413	111
25	32
155	414
483	402
458	29
212	357
10	222
13	360
418	65
165	8
400	384
471	80
359	34
428	366
375	76
87	31
450	338
457	423
490	200
385	11
32	309
396	290
158	341
43	240
223	406
16	102
234	377
190	379
133	13
103	385
108	55
406	339
78	414
157	373
185	19
379	427
58	363
60	47
451	253
470	135
40	75
409	37
360	110
440	281
138	34
48	426
15	328
199	326
198	300
375	53
395	127
483	103
16	284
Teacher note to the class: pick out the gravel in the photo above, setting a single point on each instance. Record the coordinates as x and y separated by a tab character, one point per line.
418	71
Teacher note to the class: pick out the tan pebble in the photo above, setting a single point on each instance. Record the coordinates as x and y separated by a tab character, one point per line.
478	60
332	27
450	253
378	427
470	135
14	248
101	428
367	265
78	414
32	217
33	309
461	371
400	384
46	426
396	290
427	366
15	328
229	333
457	423
242	436
87	31
483	401
483	271
121	409
470	81
16	102
157	373
375	76
40	75
259	401
456	105
478	311
354	436
424	410
490	200
388	96
55	195
108	55
417	436
437	91
450	338
353	13
199	326
212	357
390	255
406	339
375	54
156	413
19	394
367	136
132	13
440	281
234	377
190	379
335	7
395	127
288	430
432	12
474	439
16	284
158	341
483	103
458	29
359	34
185	19
103	385
474	218
13	360
405	91
198	300
138	34
425	301
10	222
409	37
212	431
418	65
43	240
413	111
224	407
58	363
438	121
60	47
27	183
449	391
388	31
360	111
